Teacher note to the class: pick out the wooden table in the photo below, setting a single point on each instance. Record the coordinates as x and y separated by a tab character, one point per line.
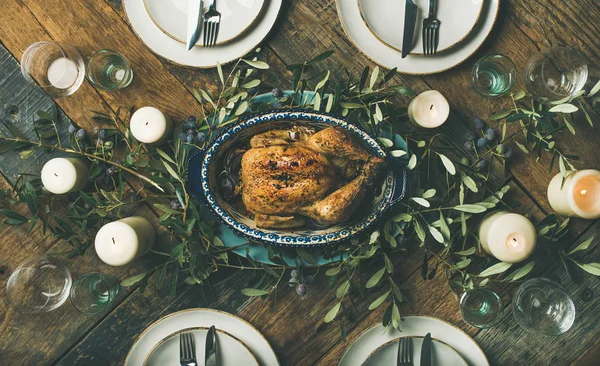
293	325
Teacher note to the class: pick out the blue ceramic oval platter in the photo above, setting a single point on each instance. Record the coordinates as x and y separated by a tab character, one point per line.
203	180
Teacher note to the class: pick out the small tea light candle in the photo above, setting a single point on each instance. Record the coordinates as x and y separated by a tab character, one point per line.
507	236
579	195
64	175
119	242
429	109
62	73
150	126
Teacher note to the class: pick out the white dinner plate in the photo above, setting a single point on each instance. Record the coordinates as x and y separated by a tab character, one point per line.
230	350
385	19
236	17
202	318
367	43
441	353
201	57
370	340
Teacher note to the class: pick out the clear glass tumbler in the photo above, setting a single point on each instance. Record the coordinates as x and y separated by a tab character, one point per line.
481	307
494	75
57	68
94	292
39	284
109	70
543	306
556	73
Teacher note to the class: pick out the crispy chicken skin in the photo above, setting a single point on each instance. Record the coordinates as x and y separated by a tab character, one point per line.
288	175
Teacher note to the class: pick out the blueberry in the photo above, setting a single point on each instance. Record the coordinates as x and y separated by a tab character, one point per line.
110	171
500	149
183	137
276	93
186	126
252	91
301	290
478	123
175	205
292	282
465	161
481	164
102	134
295	273
490	134
469	145
190	139
508	152
190	132
482	142
72	129
80	134
201	136
192	120
470	136
309	279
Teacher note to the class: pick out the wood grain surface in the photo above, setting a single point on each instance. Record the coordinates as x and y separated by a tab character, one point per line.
293	325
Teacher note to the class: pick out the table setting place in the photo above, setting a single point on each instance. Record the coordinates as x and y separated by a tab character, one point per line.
344	185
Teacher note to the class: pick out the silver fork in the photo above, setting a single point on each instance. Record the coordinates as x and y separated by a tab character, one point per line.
212	20
405	352
431	31
187	349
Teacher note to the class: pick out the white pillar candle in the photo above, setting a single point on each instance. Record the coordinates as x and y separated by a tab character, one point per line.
429	109
150	126
62	73
507	236
119	242
578	196
64	175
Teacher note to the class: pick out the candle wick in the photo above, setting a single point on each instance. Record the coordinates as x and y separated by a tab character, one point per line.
514	239
430	108
113	239
56	175
147	123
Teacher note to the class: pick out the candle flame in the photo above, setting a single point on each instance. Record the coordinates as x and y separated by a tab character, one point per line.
583	192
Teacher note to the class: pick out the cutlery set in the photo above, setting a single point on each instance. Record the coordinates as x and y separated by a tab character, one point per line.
211	21
405	351
431	29
187	349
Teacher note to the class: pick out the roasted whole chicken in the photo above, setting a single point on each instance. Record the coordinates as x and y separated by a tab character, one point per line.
289	176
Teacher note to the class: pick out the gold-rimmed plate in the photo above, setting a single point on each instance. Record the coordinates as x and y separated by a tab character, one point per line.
230	350
237	16
385	20
441	353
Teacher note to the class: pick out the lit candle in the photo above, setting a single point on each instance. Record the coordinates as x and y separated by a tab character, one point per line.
119	242
150	126
64	175
429	109
62	73
578	196
507	236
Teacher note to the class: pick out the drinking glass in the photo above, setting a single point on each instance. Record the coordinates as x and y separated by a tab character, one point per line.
39	284
542	306
556	73
57	68
109	70
494	75
94	292
481	307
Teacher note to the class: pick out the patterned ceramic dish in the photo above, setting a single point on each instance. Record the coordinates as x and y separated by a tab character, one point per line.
204	166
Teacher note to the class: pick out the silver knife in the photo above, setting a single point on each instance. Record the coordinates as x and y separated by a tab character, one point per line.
194	19
210	355
426	351
410	19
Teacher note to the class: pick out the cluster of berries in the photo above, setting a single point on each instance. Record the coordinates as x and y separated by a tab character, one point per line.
489	136
188	131
300	281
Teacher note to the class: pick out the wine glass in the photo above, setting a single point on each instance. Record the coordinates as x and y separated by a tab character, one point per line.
94	292
39	284
556	73
57	68
481	307
543	306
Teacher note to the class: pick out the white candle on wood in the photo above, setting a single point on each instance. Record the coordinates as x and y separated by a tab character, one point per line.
510	237
64	175
62	73
119	242
150	126
429	109
578	196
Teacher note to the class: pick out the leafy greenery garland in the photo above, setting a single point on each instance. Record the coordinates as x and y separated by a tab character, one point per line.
449	194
